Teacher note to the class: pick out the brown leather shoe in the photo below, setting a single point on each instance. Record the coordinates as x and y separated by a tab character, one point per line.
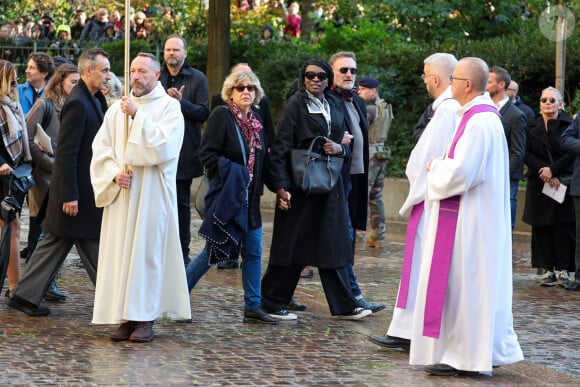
124	331
143	332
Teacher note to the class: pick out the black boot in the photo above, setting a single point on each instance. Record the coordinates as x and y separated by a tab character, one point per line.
53	294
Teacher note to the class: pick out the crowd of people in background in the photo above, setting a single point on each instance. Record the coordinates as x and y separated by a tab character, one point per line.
68	37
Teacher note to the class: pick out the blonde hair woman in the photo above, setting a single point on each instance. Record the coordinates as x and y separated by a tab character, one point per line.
13	151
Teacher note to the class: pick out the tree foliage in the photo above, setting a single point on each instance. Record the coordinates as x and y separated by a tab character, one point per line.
391	38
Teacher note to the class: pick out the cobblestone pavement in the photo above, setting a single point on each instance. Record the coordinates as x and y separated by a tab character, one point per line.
218	349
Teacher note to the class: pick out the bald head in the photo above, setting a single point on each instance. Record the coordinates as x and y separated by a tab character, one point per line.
477	71
469	79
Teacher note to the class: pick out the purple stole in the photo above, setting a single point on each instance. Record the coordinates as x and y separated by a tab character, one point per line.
413	223
444	240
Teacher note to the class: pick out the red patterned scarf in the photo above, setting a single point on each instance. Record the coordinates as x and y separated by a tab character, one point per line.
251	130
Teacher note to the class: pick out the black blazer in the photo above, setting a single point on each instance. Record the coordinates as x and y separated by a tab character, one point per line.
359	196
81	118
514	123
194	107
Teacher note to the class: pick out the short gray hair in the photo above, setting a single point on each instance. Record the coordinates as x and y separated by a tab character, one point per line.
441	64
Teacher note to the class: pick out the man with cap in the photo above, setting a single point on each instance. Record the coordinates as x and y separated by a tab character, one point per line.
380	115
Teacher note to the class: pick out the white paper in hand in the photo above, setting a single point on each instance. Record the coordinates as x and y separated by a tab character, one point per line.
556	194
43	139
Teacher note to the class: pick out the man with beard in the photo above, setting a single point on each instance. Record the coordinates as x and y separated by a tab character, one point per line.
141	275
189	87
514	125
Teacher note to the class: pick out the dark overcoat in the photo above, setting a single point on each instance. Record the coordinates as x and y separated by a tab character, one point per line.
541	210
81	118
195	109
314	231
358	199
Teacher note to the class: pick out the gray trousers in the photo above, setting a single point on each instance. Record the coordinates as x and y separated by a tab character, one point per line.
47	259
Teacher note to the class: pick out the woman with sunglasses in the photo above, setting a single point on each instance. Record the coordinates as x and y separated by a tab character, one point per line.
553	223
309	230
13	151
233	152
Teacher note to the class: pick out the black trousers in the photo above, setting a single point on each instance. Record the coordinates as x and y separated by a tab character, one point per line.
183	188
279	283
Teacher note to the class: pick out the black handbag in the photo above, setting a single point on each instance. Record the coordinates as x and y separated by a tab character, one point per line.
21	180
313	173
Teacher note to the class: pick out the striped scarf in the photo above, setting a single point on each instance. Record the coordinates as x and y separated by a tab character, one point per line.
14	132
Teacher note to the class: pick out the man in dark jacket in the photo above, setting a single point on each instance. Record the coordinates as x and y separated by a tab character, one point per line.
72	217
355	172
189	87
512	92
514	123
95	28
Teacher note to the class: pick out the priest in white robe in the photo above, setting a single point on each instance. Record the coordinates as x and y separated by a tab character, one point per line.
432	143
140	275
464	323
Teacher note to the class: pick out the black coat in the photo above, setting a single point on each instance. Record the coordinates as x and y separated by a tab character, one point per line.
514	123
194	106
314	231
541	210
358	199
220	139
81	117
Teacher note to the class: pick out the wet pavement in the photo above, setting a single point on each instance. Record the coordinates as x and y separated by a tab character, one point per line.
218	349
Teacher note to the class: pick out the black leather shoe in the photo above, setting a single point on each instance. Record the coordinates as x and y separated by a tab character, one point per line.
447	370
372	306
259	316
390	342
295	305
29	308
574	286
53	293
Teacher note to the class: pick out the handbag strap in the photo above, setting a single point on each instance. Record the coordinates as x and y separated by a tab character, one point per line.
238	130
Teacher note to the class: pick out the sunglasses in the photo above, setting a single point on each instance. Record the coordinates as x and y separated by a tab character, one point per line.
310	75
250	88
13	83
544	100
344	70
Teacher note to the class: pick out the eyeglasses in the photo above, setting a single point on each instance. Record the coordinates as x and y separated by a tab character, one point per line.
452	78
13	83
545	100
344	70
241	88
423	76
310	75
